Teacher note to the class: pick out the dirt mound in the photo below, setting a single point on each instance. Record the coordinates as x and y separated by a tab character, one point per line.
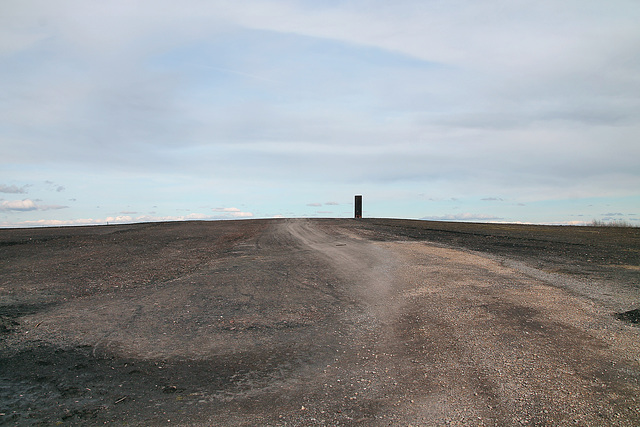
319	322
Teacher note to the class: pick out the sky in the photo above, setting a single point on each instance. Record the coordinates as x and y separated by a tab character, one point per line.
464	110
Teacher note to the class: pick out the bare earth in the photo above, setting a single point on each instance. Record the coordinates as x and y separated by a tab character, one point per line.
319	322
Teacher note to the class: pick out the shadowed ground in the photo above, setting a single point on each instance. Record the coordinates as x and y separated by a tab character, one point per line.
312	322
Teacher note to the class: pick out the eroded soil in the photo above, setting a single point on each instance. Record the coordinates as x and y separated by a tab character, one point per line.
319	322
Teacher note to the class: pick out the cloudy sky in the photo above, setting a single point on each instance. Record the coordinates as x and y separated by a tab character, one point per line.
497	110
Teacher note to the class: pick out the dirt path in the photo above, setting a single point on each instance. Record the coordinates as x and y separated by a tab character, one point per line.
463	339
303	322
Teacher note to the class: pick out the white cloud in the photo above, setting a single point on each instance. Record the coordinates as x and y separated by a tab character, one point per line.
225	210
13	189
120	219
26	205
18	205
463	217
231	213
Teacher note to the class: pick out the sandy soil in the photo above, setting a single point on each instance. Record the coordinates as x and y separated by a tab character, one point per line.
319	322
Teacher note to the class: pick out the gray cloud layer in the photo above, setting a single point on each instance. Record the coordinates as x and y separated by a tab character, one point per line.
518	99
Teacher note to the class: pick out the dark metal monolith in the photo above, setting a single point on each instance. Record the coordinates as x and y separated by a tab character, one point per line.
358	207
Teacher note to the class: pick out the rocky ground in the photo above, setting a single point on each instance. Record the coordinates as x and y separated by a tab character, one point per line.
320	322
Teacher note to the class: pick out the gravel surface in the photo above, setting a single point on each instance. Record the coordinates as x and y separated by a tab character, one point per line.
319	322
